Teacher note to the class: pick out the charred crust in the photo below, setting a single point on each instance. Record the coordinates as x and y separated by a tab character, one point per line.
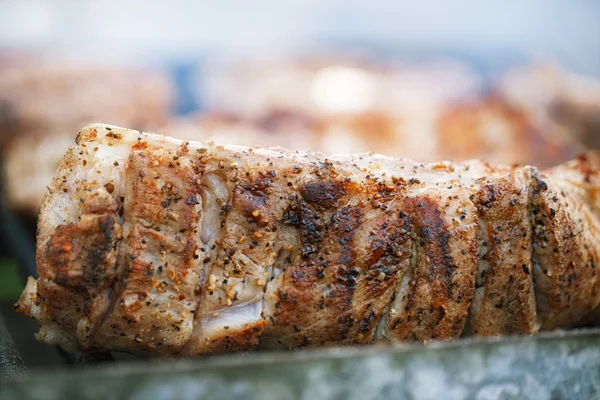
434	234
434	239
312	229
386	246
488	194
537	183
323	194
80	256
113	135
344	222
250	201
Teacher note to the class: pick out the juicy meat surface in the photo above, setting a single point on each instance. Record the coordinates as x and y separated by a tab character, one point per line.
151	245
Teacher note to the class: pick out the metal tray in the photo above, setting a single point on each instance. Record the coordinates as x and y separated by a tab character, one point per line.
556	365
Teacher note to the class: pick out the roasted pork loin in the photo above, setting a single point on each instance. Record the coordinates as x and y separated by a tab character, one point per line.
151	245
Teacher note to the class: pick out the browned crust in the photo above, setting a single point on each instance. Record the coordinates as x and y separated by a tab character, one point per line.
442	278
245	338
565	256
507	303
155	298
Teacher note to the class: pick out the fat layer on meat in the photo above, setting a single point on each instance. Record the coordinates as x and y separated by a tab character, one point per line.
151	245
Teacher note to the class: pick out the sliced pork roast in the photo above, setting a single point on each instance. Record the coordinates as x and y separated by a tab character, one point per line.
150	245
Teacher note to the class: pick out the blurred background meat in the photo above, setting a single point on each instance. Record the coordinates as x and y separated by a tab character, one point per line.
556	100
426	111
45	102
534	114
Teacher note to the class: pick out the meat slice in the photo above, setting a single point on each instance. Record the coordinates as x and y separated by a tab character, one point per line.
151	245
159	256
504	301
353	254
77	272
241	251
425	227
434	301
564	216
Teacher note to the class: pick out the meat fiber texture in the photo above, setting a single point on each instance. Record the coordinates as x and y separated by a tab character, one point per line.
151	245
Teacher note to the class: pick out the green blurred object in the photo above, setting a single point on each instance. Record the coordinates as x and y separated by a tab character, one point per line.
11	283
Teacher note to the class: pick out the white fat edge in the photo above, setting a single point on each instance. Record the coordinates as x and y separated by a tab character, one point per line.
64	207
54	335
214	194
397	307
234	316
27	301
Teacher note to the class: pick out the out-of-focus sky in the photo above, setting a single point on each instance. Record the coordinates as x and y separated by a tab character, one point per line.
568	31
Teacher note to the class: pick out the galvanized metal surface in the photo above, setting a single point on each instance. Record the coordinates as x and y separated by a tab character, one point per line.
11	364
563	365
